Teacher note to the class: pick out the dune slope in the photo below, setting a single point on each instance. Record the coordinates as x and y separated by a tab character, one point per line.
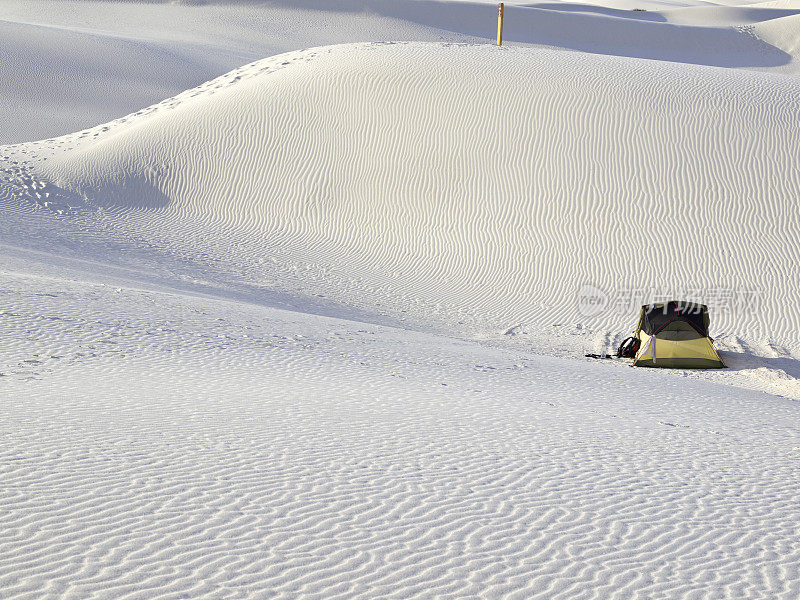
168	429
163	446
73	64
496	183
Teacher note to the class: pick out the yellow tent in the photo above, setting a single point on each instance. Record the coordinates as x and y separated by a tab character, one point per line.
675	335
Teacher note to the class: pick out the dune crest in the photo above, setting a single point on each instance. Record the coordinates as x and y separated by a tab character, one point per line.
497	183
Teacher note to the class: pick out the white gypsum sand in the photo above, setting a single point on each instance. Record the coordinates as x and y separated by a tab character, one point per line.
485	186
71	64
315	328
166	445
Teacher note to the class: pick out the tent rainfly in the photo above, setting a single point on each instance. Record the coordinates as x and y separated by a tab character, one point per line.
675	335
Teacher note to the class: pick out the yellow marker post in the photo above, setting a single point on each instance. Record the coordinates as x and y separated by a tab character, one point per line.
500	24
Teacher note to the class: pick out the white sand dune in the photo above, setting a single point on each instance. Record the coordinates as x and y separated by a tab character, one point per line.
492	183
69	65
734	15
309	330
74	64
701	38
783	33
160	445
57	80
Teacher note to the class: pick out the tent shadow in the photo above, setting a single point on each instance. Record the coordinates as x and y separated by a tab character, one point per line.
744	361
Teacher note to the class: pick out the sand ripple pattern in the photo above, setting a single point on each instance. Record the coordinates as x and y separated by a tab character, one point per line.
158	446
485	181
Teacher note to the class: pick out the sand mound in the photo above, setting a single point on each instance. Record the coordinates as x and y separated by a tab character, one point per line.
71	65
783	33
503	185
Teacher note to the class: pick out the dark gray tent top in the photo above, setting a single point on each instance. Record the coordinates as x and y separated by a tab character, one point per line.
656	317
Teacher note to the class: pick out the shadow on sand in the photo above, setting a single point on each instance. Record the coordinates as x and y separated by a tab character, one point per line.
636	34
743	361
